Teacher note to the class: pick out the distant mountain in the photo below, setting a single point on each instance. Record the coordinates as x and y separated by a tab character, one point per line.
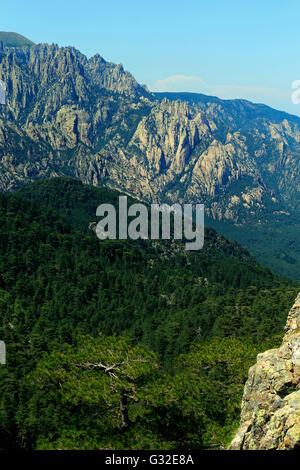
14	40
67	115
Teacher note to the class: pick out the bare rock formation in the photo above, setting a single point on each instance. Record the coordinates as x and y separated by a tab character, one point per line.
270	417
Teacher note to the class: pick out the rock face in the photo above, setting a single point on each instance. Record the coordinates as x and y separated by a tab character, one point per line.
89	118
270	417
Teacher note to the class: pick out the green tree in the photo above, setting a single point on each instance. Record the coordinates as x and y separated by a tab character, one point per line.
99	377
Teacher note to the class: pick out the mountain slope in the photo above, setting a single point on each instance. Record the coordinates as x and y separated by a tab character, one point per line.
58	281
87	118
77	203
14	40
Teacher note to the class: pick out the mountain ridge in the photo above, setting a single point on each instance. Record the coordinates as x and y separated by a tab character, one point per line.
67	115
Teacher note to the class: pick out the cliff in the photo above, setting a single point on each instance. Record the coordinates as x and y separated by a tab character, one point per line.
270	416
69	115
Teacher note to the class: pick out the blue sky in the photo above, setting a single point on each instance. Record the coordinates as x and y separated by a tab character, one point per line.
229	48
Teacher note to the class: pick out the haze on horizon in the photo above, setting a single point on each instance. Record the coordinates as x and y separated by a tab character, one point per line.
243	50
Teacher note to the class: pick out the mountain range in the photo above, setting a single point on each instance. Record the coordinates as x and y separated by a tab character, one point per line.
122	344
69	115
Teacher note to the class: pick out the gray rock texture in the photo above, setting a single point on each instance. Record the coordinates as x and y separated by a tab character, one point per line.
270	417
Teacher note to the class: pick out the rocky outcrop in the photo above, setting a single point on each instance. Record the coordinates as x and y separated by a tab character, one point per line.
270	416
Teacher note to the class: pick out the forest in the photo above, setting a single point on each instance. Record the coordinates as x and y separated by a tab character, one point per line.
121	344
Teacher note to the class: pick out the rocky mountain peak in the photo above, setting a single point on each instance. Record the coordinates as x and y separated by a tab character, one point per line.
88	118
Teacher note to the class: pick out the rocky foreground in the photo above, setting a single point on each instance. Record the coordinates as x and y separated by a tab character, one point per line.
270	417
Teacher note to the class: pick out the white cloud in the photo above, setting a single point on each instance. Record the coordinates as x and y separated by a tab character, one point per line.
179	83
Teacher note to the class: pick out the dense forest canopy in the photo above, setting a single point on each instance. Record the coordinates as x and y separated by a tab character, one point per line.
122	344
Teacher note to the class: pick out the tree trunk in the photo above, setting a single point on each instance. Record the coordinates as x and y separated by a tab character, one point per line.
124	411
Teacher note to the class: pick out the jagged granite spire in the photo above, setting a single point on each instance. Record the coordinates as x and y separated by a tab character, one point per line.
270	416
